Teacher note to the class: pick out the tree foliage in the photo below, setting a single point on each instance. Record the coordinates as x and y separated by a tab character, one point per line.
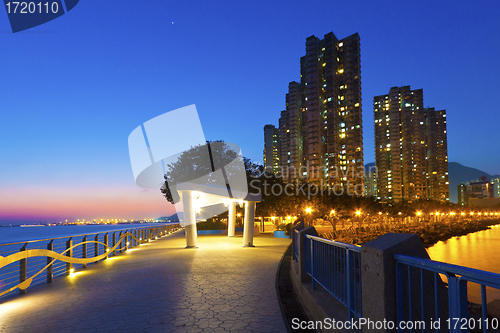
201	161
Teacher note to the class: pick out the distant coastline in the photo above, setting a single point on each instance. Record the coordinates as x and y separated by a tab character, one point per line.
16	233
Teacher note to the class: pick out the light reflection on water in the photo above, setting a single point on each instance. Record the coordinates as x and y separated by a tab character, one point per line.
478	250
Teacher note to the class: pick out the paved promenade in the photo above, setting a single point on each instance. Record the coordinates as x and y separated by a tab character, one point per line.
160	287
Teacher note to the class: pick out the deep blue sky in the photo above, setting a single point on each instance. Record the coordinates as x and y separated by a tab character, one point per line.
72	90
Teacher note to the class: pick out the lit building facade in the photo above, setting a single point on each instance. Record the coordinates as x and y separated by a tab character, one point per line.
371	181
480	189
496	185
411	151
271	149
321	129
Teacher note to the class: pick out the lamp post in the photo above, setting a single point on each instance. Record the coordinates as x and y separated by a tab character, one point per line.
358	214
334	219
308	211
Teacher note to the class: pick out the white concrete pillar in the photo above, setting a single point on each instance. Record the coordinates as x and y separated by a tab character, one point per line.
249	222
231	224
189	218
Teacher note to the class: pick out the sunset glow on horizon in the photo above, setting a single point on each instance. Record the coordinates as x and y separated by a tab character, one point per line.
59	204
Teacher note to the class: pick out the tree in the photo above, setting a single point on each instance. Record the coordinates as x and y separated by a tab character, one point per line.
201	161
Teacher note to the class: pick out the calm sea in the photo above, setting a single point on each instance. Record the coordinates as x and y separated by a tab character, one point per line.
477	250
19	234
9	275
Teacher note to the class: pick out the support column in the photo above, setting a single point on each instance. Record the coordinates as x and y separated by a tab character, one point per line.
249	222
189	219
231	224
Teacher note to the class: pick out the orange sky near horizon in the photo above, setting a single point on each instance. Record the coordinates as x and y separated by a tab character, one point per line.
54	204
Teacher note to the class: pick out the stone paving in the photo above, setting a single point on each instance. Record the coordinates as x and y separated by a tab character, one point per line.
160	287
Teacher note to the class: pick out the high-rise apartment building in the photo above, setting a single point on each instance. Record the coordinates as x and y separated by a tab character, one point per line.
271	149
370	180
411	151
321	129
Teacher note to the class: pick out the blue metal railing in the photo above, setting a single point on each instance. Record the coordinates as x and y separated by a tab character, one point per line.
296	244
336	267
457	276
39	268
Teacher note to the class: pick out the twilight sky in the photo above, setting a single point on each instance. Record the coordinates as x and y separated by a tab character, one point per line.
73	89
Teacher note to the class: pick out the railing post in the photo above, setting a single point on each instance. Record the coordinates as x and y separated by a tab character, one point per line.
311	260
23	270
400	307
457	298
379	275
84	250
350	282
50	269
96	247
121	241
69	253
303	253
106	246
114	243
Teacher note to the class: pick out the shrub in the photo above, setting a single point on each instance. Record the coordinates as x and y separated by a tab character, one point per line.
286	227
217	225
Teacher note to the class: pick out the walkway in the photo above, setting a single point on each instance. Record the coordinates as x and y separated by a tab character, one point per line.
161	287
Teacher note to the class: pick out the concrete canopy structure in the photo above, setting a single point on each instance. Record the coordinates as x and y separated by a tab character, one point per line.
207	176
207	200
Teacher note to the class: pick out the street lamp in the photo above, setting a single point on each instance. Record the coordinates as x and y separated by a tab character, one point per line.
308	211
